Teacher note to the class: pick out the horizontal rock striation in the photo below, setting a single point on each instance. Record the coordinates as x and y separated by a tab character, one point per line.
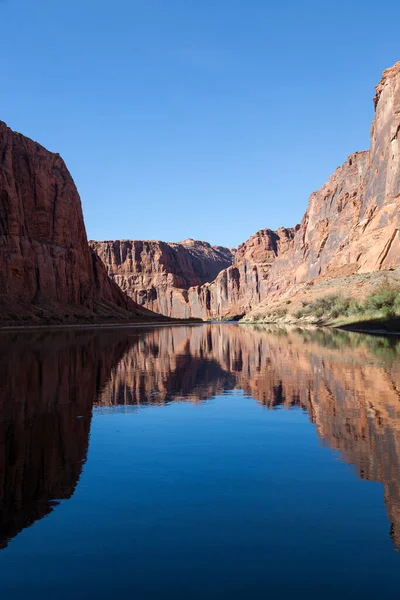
47	270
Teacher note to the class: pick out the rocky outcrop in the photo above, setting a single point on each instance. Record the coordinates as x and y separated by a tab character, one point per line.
47	271
243	285
157	275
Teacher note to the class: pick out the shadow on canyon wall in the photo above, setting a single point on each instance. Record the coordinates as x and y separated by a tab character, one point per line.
348	383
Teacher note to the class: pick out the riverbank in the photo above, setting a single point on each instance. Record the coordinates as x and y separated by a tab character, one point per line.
365	302
115	325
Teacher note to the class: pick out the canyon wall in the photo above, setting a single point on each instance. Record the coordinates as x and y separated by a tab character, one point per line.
194	279
243	285
157	275
47	271
352	223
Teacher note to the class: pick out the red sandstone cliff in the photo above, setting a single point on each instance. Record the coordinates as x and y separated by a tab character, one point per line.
243	285
47	271
157	274
190	279
352	223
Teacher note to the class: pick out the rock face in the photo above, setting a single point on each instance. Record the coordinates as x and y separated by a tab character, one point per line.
243	285
157	274
190	279
352	223
47	271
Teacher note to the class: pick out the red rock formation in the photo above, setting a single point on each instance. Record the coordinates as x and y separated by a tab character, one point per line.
352	223
157	274
47	271
243	285
177	279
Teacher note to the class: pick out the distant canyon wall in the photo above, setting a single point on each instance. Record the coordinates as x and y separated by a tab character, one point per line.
192	278
158	275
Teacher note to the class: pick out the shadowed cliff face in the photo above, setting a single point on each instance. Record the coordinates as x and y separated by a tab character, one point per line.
349	384
47	271
47	386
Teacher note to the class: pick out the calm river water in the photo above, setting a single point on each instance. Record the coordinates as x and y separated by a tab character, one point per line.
205	461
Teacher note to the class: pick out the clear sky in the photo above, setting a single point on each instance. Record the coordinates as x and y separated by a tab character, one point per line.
208	119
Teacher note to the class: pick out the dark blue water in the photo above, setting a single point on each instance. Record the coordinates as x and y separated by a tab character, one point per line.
190	462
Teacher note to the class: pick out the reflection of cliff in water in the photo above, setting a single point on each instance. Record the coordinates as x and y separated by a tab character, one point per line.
48	383
348	383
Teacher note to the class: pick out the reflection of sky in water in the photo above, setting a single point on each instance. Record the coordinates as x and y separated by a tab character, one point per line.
215	493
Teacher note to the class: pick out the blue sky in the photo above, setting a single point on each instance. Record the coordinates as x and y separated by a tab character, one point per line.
208	119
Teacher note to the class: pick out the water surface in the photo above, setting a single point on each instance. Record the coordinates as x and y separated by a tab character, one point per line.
210	461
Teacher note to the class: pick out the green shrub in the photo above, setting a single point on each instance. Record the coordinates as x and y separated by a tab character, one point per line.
387	296
385	301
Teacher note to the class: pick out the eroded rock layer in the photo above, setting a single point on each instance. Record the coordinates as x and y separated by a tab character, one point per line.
243	285
47	270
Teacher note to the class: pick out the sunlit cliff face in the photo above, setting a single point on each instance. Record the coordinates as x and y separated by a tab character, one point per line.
349	385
